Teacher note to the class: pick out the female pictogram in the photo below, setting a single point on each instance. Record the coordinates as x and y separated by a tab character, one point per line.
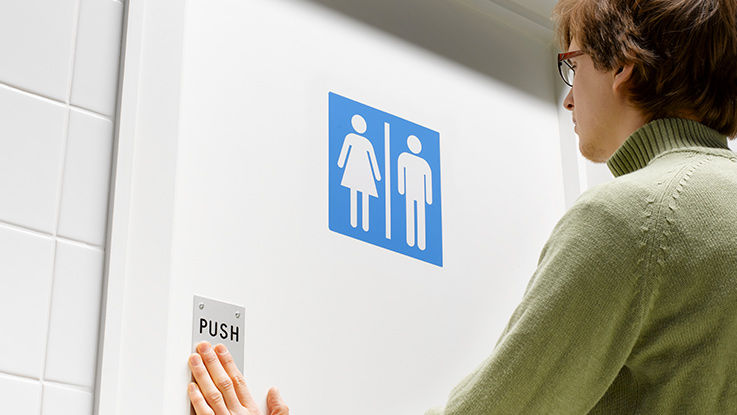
361	170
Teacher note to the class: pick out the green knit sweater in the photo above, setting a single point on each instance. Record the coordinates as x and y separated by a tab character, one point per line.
633	306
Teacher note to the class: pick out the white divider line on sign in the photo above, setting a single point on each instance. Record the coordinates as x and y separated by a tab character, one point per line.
387	186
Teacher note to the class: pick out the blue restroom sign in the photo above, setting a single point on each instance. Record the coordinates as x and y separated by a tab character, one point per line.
384	180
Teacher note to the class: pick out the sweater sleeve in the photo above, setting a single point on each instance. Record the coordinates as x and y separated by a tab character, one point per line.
578	320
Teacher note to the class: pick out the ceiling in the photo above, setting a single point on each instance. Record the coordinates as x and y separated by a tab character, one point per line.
538	11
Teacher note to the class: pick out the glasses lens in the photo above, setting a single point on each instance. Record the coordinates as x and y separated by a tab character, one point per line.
566	73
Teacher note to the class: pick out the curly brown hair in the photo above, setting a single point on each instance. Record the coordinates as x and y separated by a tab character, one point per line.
684	52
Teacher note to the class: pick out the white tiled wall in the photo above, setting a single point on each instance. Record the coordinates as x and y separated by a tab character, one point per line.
58	83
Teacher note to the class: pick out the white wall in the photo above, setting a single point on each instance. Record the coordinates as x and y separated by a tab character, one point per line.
58	83
334	322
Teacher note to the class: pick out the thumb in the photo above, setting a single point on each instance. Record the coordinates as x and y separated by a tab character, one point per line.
275	403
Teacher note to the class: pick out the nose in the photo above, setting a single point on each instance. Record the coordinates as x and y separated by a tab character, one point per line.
568	102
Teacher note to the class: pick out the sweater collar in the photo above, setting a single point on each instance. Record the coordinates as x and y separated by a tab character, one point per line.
659	136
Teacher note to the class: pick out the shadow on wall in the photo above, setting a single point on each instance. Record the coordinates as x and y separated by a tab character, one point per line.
459	32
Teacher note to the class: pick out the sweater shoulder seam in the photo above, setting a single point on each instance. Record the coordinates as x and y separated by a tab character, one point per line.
657	226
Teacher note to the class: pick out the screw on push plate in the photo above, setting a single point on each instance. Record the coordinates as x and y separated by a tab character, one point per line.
237	314
202	305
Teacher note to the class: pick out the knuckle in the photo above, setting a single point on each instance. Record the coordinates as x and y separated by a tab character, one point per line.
239	381
200	372
209	358
225	384
214	397
226	358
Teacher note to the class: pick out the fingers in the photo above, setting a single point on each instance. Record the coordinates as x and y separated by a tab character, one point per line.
275	403
198	401
221	387
241	390
210	392
220	378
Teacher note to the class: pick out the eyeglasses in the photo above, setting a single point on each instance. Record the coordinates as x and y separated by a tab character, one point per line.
566	71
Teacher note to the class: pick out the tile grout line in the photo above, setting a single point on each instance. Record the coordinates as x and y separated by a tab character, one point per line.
53	264
35	232
4	374
60	184
43	97
78	388
17	376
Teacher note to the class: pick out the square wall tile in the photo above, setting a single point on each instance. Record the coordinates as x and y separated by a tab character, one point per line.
84	194
20	396
26	263
95	82
71	353
36	43
63	400
31	141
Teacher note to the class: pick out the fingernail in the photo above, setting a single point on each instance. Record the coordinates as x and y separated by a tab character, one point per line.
194	359
221	349
203	347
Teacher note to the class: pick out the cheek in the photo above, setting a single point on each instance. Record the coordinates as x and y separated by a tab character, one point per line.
586	100
579	102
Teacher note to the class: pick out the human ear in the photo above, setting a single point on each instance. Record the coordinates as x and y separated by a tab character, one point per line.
621	76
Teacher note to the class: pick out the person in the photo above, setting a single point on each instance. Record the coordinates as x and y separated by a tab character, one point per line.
633	305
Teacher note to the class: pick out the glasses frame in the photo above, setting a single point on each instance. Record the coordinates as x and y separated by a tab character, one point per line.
563	58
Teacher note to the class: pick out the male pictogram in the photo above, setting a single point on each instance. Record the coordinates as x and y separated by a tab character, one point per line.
415	182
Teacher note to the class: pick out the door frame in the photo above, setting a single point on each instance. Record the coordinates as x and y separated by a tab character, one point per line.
130	367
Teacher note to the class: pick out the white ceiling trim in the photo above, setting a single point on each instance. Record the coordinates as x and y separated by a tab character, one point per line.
516	16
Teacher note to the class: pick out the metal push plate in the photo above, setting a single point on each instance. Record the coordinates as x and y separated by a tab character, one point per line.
219	322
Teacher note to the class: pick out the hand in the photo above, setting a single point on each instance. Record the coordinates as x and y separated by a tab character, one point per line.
221	388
